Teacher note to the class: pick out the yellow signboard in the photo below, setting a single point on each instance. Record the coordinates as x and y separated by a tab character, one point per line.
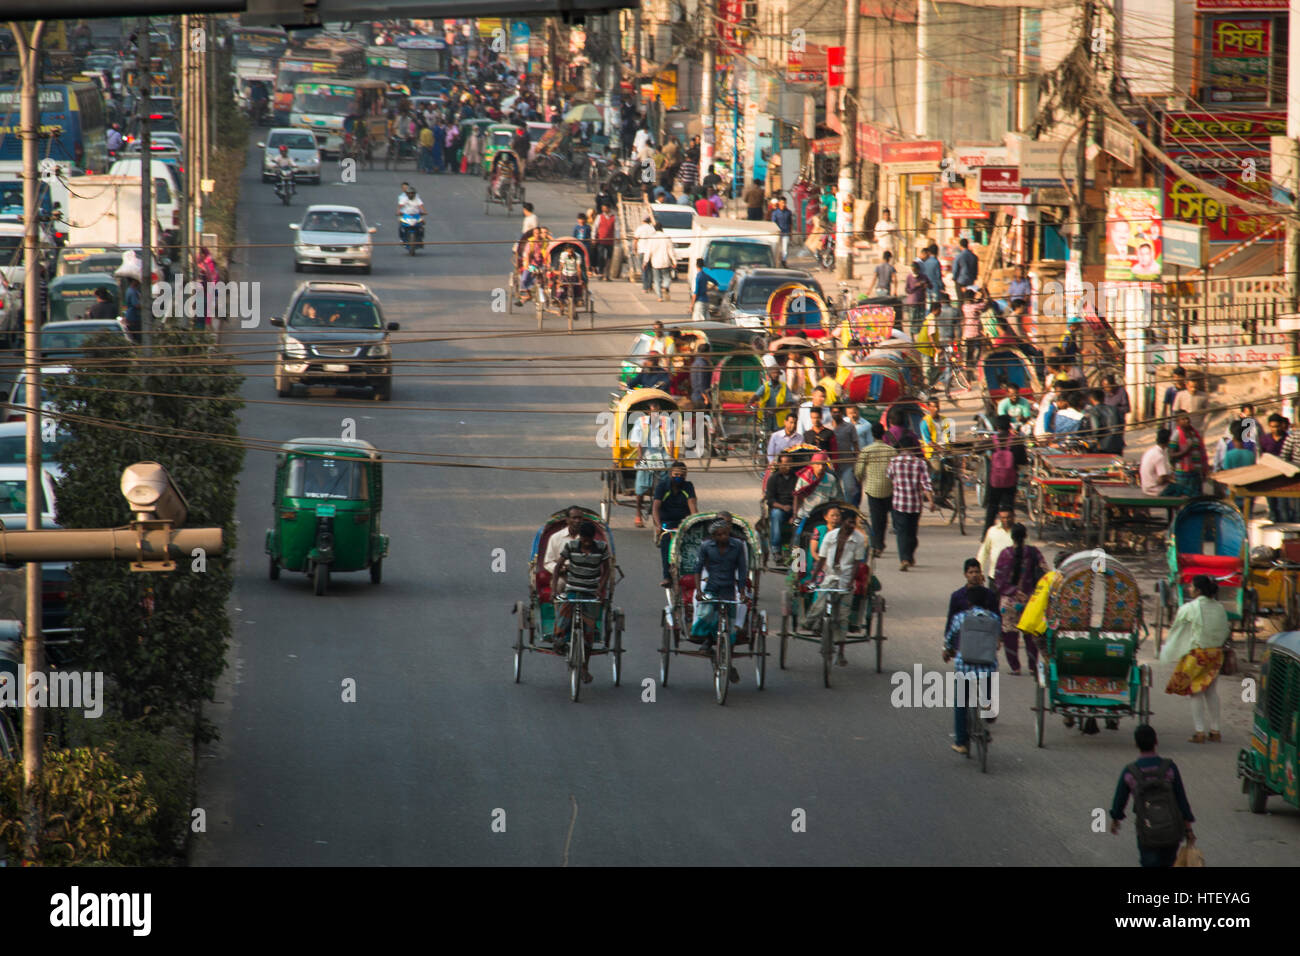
487	27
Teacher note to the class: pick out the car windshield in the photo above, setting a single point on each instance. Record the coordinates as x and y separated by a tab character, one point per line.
333	222
725	254
78	264
75	340
327	478
10	249
324	103
13	497
325	313
501	137
292	140
13	448
757	291
674	220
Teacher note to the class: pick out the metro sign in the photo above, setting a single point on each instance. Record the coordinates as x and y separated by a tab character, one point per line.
1001	184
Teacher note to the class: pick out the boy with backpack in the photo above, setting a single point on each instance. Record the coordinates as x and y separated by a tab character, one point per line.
1005	458
973	638
1162	816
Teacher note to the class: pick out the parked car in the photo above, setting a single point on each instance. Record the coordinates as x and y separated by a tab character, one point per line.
334	334
13	445
302	150
16	399
63	341
744	301
332	236
13	515
679	223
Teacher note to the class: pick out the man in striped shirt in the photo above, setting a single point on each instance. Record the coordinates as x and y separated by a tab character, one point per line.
582	571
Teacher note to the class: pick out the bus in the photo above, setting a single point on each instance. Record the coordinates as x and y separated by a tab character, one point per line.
259	42
72	125
295	67
390	65
320	106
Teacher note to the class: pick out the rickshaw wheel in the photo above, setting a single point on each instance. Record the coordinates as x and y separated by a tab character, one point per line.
1040	712
519	645
1256	796
722	659
377	572
759	650
1250	620
320	579
577	645
617	650
1144	694
274	570
573	310
665	651
880	638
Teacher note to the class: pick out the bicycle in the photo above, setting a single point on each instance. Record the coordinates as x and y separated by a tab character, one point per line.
950	369
828	628
977	727
577	655
722	640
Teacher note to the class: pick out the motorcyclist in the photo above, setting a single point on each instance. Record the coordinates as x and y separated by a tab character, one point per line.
285	161
114	138
409	203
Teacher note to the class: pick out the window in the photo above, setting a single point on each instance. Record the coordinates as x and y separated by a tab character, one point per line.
292	140
674	220
758	291
334	222
322	313
324	478
734	254
13	497
13	448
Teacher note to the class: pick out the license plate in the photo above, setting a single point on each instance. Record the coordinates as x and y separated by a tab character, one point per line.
336	368
333	261
325	511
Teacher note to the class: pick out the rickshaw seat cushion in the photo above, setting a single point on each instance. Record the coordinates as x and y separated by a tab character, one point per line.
734	407
1214	565
544	586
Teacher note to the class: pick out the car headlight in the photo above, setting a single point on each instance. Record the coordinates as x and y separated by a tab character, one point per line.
294	349
361	250
382	350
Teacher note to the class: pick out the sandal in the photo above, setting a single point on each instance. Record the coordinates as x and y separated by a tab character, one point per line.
1215	737
586	677
638	522
1196	739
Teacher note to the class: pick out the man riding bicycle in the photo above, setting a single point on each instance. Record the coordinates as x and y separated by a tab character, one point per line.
583	571
724	574
839	556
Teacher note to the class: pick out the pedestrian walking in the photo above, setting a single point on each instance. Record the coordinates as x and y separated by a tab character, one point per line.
700	293
910	479
1163	815
997	538
884	233
1279	509
886	275
640	259
753	198
1195	402
604	229
663	260
914	292
1018	569
1187	454
1005	460
872	472
979	676
847	447
784	220
1197	640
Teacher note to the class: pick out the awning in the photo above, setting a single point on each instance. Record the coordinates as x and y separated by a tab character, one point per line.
1269	469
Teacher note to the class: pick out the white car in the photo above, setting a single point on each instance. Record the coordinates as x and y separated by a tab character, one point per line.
332	237
166	190
16	410
13	497
13	444
679	223
302	150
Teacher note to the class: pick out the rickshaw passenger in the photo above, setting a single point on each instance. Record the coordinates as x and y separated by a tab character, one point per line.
779	499
583	570
555	544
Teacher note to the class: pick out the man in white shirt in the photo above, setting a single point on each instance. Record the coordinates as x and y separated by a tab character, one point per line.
663	259
996	540
653	436
884	232
644	232
1154	473
642	138
409	201
560	538
805	413
841	552
531	221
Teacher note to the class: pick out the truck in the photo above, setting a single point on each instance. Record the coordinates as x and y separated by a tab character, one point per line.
105	211
727	244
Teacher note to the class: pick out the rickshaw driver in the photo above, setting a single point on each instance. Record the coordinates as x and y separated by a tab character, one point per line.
582	571
570	270
724	573
846	549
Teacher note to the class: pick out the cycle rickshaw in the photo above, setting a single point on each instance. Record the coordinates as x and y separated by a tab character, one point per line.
1209	537
620	479
568	291
504	182
866	614
538	616
800	455
1087	663
679	615
795	307
1057	491
1002	366
734	427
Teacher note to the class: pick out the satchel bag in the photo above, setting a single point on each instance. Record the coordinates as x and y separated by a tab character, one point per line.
1231	667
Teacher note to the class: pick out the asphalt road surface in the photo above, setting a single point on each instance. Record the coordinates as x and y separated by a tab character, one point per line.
440	743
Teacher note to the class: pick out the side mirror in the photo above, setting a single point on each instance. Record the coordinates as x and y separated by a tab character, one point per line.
261	146
394	326
277	321
294	226
373	229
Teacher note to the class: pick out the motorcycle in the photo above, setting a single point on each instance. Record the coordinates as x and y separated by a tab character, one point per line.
284	186
411	230
826	254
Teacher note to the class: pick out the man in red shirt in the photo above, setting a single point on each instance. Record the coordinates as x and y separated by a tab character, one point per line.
605	223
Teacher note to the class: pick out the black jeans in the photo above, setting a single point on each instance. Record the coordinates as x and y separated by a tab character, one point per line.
905	525
1157	856
878	511
754	213
998	499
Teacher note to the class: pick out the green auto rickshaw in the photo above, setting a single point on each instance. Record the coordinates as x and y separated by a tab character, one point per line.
328	495
1271	765
72	296
497	137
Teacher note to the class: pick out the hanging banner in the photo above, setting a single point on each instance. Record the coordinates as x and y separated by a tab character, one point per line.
1216	129
835	66
729	15
1133	248
871	323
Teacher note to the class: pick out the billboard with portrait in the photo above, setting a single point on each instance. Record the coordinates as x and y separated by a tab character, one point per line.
1133	234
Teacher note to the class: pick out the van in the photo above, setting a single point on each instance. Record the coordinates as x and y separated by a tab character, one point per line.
726	245
166	194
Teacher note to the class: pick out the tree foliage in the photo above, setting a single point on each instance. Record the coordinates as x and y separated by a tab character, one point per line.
160	638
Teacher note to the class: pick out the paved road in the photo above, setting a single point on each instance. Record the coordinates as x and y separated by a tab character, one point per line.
440	739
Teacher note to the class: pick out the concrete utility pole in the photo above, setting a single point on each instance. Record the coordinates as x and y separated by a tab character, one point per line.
636	40
709	12
186	92
848	144
29	61
1292	264
144	73
922	67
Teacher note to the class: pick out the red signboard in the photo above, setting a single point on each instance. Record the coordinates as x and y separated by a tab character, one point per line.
1223	127
807	65
958	205
1243	174
871	140
827	144
1001	184
1227	5
1237	37
729	14
835	66
923	151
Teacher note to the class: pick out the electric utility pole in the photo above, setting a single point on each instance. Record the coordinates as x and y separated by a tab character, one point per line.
848	144
708	12
144	76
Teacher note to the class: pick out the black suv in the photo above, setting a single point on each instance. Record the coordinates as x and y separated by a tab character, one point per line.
744	301
334	334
